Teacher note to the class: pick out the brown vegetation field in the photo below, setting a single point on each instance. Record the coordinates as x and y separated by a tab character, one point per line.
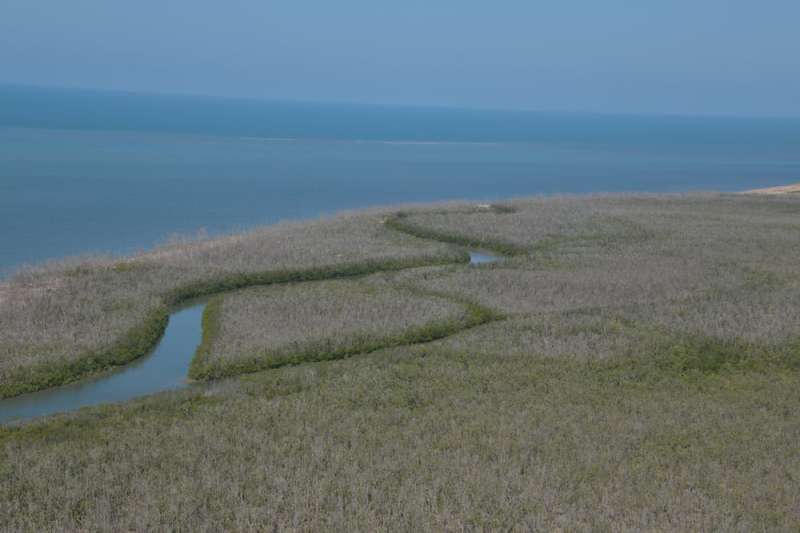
273	326
633	364
68	319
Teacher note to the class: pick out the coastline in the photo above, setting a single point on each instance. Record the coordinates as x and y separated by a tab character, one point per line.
126	345
637	337
793	188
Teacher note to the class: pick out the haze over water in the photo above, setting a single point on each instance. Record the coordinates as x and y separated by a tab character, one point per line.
88	171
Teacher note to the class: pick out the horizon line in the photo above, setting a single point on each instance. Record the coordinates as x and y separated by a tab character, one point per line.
396	105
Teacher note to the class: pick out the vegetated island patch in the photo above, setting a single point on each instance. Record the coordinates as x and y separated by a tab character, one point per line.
267	327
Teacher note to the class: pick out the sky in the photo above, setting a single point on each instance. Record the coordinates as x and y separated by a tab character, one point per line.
737	57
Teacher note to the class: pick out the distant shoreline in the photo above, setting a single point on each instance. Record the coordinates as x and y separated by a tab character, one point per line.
782	189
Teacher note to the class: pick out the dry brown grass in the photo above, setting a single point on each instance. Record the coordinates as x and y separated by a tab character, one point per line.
611	283
63	313
422	440
717	265
271	326
571	336
646	380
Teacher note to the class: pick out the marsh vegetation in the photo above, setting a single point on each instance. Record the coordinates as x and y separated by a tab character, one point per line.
633	364
65	320
274	326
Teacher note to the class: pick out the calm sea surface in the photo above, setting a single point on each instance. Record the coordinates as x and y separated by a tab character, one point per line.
83	172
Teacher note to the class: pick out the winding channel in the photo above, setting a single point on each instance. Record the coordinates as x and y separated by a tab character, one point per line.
165	368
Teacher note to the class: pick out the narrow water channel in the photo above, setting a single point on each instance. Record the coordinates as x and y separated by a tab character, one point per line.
477	258
165	368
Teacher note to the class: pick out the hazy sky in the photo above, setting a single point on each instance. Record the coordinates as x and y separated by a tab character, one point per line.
664	56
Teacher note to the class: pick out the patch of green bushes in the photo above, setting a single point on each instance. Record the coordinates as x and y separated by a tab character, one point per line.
698	355
662	355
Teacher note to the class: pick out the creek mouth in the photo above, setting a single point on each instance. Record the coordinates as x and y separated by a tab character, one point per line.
165	368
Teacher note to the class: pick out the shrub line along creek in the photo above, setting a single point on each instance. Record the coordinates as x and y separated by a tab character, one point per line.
164	368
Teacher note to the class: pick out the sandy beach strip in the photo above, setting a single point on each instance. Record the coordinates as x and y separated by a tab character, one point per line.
783	189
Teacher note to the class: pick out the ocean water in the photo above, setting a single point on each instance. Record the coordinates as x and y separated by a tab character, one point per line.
85	172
